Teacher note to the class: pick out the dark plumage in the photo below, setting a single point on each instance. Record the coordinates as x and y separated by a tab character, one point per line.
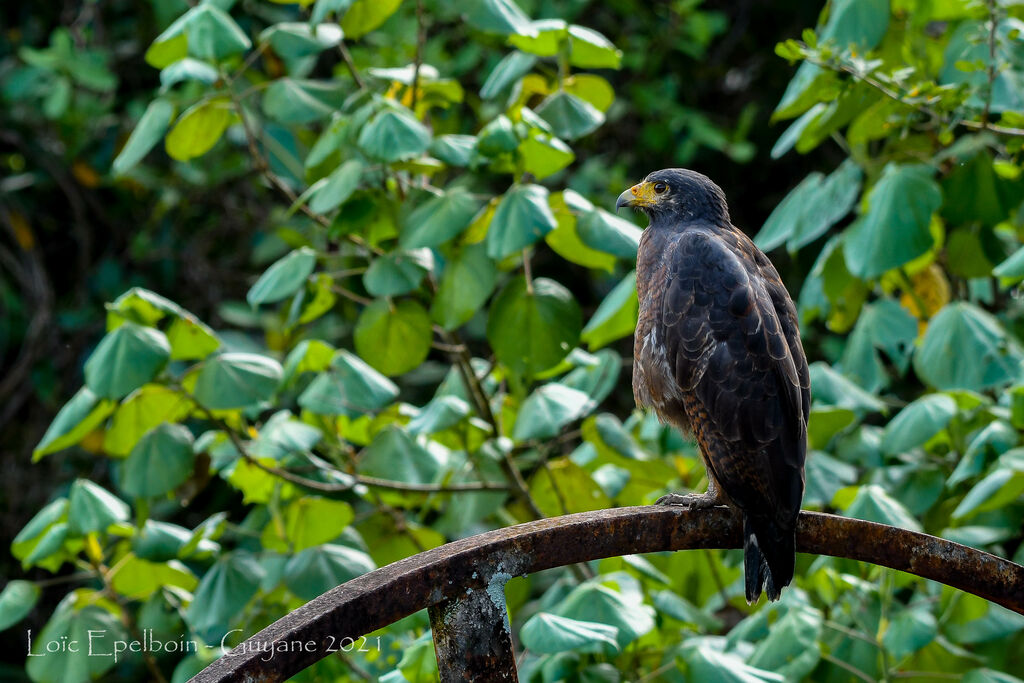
717	351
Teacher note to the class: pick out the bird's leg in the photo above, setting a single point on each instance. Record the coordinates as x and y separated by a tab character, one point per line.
695	501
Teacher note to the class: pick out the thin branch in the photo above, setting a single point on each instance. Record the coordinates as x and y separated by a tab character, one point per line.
848	667
897	97
347	58
350	295
421	38
993	21
327	487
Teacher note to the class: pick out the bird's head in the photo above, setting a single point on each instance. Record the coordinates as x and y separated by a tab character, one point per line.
677	194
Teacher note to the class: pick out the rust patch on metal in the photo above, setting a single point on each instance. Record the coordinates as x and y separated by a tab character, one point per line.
460	573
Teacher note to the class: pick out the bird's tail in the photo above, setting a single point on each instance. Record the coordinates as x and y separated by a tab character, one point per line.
769	556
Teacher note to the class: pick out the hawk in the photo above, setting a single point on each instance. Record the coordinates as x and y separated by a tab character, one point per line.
717	352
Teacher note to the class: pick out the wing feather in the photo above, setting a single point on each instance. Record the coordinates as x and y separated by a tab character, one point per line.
729	329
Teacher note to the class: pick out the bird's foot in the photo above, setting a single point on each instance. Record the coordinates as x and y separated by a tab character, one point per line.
694	501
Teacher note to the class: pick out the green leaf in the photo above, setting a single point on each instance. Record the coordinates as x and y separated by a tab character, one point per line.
616	317
917	423
150	128
547	39
860	22
598	603
499	16
222	593
532	329
825	477
570	116
76	621
606	232
999	488
467	282
703	663
825	422
299	39
348	387
43	535
93	508
366	15
882	326
159	462
290	100
497	137
965	45
873	504
439	219
340	185
591	50
160	541
187	69
125	359
393	337
189	337
986	354
1012	269
510	69
282	435
792	647
454	150
137	579
16	601
910	630
394	455
199	128
544	155
283	278
152	405
210	33
546	633
994	439
307	522
563	488
163	53
522	218
811	208
394	135
237	380
895	229
565	240
396	273
444	412
549	408
317	570
598	380
77	418
681	609
834	389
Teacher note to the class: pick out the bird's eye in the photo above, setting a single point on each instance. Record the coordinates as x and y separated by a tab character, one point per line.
659	188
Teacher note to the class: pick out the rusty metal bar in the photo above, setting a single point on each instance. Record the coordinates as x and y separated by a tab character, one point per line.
436	576
472	636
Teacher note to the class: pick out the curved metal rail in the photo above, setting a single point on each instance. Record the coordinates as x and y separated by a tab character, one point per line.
462	583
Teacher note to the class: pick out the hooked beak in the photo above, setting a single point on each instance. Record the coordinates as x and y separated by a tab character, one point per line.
638	196
625	199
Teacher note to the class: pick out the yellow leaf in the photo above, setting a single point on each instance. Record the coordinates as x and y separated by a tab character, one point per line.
198	129
929	292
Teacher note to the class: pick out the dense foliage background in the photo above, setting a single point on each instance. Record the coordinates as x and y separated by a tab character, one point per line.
364	295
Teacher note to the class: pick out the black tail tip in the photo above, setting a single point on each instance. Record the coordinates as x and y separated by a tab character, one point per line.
758	572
